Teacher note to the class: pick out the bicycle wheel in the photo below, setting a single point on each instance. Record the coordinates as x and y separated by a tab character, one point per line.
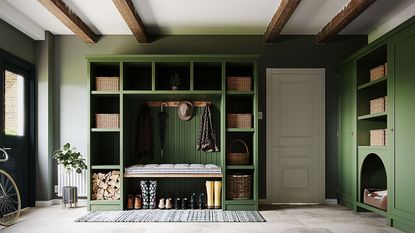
9	200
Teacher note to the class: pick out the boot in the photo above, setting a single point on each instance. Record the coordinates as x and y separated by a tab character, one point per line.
152	190
193	201
177	204
209	194
218	194
184	203
130	202
201	201
169	203
145	194
161	203
137	202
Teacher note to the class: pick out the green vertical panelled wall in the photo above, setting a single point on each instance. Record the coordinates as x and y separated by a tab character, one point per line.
391	166
145	78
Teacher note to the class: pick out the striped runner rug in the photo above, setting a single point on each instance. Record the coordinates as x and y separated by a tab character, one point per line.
172	216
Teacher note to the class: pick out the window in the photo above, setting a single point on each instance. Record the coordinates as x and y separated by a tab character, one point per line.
13	104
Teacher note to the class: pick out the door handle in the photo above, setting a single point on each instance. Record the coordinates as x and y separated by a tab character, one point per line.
6	155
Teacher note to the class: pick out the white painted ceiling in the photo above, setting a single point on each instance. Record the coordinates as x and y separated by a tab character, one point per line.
196	17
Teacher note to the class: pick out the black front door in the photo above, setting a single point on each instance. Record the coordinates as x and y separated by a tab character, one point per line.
16	124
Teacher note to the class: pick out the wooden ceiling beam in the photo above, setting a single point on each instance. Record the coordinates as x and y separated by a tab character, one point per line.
70	19
350	12
280	19
133	20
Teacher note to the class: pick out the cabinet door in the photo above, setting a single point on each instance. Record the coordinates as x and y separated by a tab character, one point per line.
346	135
404	124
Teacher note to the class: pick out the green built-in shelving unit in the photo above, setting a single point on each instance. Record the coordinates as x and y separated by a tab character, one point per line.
146	78
391	166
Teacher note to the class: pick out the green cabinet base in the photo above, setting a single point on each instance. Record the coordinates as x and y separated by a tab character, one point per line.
241	207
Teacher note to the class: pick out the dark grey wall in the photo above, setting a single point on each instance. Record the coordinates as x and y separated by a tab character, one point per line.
288	52
15	42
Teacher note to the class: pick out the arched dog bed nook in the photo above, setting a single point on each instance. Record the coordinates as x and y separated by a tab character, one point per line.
373	182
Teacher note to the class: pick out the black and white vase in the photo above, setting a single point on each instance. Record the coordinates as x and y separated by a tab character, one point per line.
152	194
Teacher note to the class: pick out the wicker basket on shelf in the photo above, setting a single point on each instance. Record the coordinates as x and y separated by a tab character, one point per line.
378	72
378	105
238	187
378	137
239	83
107	84
107	120
238	158
239	120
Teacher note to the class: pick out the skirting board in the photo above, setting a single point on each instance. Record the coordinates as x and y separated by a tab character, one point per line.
81	202
332	201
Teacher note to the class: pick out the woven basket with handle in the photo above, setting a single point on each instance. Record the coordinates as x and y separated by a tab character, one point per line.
238	158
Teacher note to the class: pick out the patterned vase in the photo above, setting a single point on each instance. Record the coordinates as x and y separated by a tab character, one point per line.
152	192
145	192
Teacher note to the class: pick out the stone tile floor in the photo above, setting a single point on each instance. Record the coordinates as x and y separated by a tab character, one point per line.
296	219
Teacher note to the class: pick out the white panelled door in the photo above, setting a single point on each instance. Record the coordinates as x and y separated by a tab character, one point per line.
295	136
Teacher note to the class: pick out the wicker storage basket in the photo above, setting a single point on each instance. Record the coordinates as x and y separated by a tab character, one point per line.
378	105
107	84
378	137
238	187
238	158
239	83
377	73
107	120
239	120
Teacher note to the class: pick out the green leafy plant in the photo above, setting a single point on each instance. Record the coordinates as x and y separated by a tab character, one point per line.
175	80
70	158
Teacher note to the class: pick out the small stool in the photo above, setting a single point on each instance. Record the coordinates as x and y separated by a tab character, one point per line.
69	196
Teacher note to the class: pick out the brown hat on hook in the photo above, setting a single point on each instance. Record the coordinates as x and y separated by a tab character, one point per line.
185	110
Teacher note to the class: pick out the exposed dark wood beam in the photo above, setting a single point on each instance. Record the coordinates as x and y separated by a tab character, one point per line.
133	20
280	19
350	12
70	19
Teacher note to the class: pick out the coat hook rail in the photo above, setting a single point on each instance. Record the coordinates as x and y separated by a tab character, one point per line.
176	103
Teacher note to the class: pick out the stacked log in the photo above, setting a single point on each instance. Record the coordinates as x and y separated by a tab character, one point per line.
106	186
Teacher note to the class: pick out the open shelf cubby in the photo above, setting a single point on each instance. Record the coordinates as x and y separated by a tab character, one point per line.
103	69
207	75
105	149
137	75
238	147
371	60
165	70
239	69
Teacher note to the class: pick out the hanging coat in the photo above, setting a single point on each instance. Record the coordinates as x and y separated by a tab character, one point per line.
207	138
144	133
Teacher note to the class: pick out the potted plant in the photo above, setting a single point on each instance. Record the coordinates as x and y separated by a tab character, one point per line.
70	158
175	81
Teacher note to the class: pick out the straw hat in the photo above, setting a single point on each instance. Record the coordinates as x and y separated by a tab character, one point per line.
185	110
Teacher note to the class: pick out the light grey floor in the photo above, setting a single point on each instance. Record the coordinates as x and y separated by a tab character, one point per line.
302	219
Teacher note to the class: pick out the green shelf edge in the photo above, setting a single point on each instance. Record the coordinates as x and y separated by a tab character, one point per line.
372	116
372	83
240	167
240	130
167	92
105	92
372	147
241	93
95	167
372	209
105	130
241	202
105	202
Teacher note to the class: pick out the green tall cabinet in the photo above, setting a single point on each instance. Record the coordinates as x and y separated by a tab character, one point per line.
360	164
145	78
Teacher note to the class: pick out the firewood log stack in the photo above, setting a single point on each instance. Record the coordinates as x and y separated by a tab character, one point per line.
106	186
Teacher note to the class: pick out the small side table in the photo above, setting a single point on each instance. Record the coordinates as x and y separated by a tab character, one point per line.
69	197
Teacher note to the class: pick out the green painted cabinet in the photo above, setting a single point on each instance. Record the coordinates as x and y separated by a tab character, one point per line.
346	134
390	165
